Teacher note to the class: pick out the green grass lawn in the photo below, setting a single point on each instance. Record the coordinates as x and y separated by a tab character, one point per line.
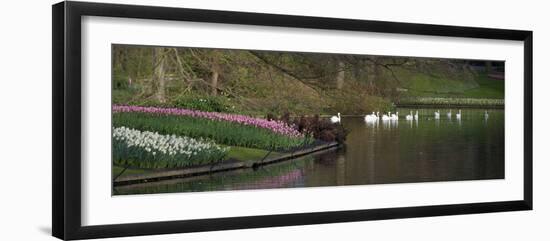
488	88
482	87
421	84
245	154
426	90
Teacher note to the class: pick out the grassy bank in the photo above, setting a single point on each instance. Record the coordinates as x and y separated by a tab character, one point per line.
424	91
436	84
479	87
488	88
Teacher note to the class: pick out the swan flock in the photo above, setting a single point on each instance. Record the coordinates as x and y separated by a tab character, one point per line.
375	116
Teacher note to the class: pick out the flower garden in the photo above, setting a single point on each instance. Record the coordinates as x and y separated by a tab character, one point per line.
155	137
150	149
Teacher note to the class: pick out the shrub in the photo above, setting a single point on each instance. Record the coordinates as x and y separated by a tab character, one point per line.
203	103
120	81
321	129
314	126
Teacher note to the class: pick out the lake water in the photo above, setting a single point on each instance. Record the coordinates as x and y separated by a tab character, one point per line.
402	151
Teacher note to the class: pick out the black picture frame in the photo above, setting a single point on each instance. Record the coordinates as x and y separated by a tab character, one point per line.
66	128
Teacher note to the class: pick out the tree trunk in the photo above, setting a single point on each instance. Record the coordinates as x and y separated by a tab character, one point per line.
159	82
372	73
215	58
340	76
214	81
358	73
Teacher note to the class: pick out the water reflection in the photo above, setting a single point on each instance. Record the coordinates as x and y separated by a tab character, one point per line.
390	124
393	151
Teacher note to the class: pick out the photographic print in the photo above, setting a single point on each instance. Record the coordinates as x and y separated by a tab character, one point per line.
187	119
287	119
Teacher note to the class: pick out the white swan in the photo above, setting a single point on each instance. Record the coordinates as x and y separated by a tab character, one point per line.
459	114
395	116
449	114
436	115
386	117
371	117
486	115
409	116
335	119
416	116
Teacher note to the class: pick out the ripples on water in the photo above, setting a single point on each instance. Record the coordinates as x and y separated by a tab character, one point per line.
402	151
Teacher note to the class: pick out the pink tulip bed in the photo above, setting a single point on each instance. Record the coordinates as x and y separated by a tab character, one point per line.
221	128
278	127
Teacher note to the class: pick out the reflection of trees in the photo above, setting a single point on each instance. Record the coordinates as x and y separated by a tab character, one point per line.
431	151
461	152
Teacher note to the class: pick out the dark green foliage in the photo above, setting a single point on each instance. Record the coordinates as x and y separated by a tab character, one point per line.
120	80
203	103
193	102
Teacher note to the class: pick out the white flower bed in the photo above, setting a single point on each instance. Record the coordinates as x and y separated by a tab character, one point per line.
151	149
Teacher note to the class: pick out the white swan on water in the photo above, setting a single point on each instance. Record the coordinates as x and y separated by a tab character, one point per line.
486	115
386	117
335	119
449	114
371	117
409	116
395	116
436	115
459	114
416	116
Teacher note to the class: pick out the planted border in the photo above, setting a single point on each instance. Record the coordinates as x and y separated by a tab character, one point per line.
278	127
147	149
222	132
436	101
